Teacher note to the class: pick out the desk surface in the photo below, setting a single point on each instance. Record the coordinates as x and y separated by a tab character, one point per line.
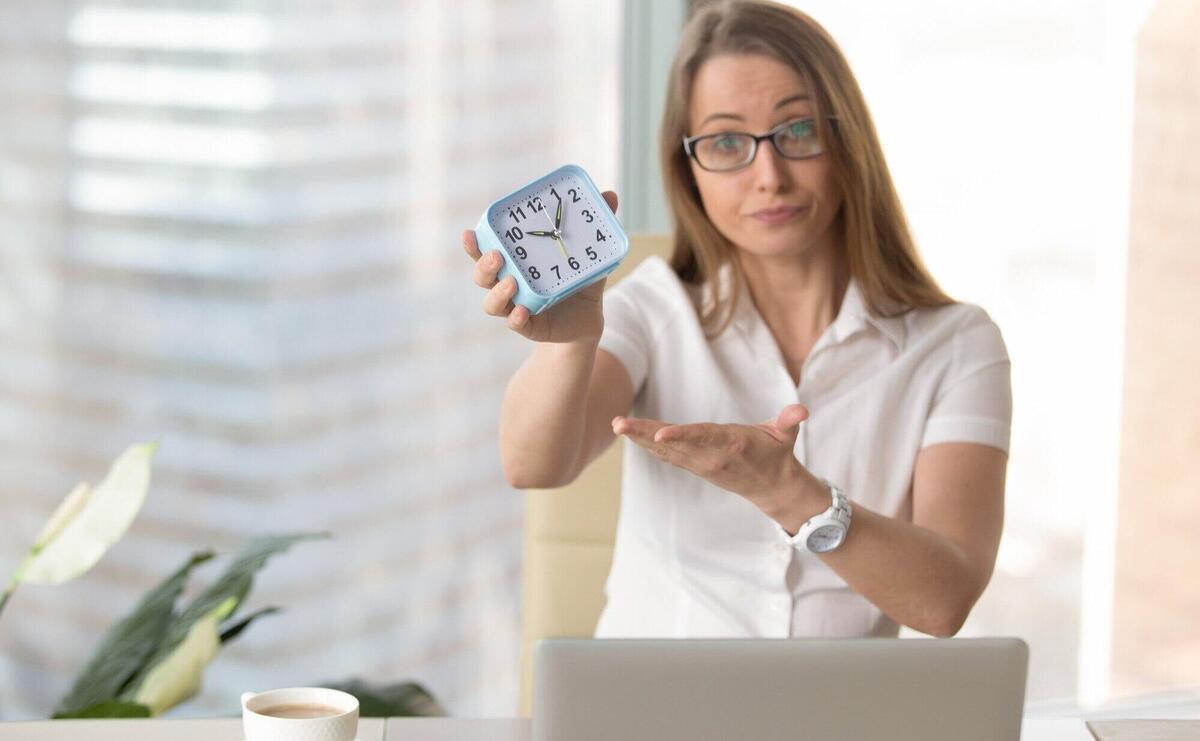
505	729
205	729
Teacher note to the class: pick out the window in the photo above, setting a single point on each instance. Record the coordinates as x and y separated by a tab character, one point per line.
1007	130
234	228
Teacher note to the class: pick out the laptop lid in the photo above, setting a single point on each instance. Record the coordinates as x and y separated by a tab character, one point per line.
776	689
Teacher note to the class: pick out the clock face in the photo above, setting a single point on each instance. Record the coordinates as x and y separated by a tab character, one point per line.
825	538
556	232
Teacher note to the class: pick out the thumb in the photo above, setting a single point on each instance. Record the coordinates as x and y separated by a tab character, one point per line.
791	416
611	199
786	425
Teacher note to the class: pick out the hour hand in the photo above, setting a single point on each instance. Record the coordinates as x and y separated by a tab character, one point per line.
540	233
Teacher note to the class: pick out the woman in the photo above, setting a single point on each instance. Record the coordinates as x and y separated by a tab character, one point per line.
794	294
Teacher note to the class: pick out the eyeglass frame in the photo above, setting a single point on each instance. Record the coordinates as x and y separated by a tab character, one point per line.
690	151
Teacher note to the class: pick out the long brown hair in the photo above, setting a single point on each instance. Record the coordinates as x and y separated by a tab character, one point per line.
880	252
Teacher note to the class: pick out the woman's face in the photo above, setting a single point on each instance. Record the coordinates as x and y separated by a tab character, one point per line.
755	93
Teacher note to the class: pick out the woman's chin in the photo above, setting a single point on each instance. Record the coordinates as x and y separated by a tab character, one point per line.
775	245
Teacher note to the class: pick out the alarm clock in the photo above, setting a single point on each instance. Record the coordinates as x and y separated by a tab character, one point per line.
557	235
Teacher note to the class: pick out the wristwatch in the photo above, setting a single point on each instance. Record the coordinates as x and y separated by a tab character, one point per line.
824	532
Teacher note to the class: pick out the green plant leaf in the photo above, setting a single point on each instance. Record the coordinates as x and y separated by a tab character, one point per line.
89	521
126	645
113	709
407	699
179	674
233	585
229	632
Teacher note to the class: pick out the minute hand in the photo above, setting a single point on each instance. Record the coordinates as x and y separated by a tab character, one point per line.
555	233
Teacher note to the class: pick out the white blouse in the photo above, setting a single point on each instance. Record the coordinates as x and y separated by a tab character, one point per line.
694	560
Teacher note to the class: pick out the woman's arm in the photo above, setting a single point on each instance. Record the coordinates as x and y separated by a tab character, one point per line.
554	419
926	574
544	440
929	573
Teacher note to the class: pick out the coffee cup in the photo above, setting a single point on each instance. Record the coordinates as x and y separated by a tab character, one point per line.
300	714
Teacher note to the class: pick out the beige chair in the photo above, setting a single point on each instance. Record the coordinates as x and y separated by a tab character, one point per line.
569	534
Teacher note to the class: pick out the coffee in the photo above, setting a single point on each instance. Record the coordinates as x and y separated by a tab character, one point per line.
301	710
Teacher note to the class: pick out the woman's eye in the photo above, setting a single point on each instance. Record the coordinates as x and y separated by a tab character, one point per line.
801	129
726	142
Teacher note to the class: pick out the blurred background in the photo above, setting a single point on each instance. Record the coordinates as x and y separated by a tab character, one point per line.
232	226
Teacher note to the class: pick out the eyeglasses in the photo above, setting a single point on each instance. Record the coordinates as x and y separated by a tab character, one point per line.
797	139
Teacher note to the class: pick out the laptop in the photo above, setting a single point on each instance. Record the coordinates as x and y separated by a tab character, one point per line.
957	689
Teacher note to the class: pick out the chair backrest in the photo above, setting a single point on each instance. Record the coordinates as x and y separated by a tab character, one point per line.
569	533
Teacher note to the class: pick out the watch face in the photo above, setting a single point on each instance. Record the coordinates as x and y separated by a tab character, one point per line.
557	232
825	538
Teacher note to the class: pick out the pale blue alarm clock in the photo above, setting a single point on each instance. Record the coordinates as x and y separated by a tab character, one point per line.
557	235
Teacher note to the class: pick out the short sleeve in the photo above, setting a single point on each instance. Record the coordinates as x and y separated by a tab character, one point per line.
626	334
974	401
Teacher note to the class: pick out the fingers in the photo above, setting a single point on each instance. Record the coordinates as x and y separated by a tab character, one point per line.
695	434
622	425
470	244
518	319
611	199
641	432
486	269
498	300
637	428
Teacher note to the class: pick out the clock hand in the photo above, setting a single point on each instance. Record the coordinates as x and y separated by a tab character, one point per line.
558	213
555	234
540	233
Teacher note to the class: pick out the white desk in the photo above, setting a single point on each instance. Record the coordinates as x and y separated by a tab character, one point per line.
373	729
206	729
453	729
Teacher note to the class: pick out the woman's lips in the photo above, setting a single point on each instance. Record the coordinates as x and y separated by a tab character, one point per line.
776	215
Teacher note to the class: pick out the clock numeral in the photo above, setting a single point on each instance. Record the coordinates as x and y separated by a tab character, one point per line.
600	236
587	215
574	196
591	253
515	234
554	193
535	204
573	263
521	253
556	273
533	273
516	216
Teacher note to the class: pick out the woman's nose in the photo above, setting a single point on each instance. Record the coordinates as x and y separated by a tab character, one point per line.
769	168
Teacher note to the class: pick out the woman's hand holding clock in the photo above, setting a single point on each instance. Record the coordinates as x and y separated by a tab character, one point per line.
578	317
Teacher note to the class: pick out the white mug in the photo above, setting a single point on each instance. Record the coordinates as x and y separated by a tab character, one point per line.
342	726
